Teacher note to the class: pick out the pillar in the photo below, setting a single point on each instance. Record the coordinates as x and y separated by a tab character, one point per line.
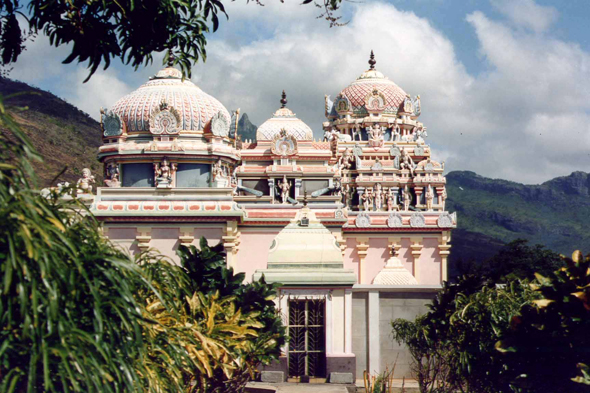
348	321
143	237
444	251
230	243
416	248
373	334
362	247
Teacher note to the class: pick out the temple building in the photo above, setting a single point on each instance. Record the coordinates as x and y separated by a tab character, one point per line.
352	223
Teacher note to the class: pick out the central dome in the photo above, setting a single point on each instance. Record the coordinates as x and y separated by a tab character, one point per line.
285	119
370	81
195	107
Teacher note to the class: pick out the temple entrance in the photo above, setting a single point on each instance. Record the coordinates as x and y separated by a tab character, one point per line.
307	338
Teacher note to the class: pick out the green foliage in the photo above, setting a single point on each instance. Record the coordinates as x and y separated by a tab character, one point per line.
222	327
99	31
68	318
453	345
547	346
78	315
518	260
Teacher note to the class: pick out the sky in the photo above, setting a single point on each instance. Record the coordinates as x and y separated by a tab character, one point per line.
504	84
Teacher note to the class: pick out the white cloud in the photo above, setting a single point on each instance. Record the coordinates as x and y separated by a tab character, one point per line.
527	13
526	119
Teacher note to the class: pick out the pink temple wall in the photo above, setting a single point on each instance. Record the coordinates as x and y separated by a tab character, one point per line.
377	256
253	251
351	258
165	240
123	237
405	255
430	262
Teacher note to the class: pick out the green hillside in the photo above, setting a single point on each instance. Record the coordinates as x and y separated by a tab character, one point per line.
65	136
490	211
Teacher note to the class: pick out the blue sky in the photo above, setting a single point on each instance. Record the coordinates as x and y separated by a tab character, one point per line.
505	84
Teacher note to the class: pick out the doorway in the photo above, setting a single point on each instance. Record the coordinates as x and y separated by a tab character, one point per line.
307	338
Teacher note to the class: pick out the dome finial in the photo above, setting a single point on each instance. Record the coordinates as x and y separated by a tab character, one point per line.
283	99
171	58
372	61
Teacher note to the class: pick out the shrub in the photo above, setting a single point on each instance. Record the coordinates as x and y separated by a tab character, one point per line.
453	345
547	348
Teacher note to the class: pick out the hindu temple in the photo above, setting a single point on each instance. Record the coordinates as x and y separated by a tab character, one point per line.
350	218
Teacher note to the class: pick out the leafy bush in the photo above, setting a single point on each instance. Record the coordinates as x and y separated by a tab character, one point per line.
547	348
227	327
453	345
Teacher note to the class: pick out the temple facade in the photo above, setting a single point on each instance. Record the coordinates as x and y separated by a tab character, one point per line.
352	222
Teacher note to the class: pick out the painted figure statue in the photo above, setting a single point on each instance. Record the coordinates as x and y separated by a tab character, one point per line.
164	172
284	187
84	184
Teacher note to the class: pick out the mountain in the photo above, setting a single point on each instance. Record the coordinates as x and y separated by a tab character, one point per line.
246	129
65	136
492	211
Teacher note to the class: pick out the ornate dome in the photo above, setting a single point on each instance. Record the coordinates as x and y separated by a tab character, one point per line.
194	107
284	118
394	273
370	81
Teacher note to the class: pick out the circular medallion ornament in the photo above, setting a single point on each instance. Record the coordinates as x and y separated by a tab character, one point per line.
417	220
339	214
219	125
445	220
395	151
164	120
395	220
362	220
111	124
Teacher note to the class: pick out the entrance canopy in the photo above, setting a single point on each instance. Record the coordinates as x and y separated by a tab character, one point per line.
305	253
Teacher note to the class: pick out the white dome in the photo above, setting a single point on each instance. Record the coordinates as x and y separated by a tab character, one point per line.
285	119
195	107
394	273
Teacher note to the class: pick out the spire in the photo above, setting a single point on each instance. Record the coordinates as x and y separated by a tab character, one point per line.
372	61
171	58
283	99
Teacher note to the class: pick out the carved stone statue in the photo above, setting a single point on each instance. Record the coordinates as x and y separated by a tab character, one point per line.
346	159
378	197
406	162
429	198
375	136
442	198
408	105
284	187
112	178
84	184
391	203
164	172
347	195
407	198
356	131
219	174
419	134
367	199
396	133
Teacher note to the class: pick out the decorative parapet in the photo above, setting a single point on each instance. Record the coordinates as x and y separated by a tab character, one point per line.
131	201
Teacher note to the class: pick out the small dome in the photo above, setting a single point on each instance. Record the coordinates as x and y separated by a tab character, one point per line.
285	119
394	273
366	84
195	107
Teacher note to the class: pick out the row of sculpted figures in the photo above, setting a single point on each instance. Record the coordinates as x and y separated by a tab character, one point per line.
376	134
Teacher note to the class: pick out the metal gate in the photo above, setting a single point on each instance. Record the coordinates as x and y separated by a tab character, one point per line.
307	338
